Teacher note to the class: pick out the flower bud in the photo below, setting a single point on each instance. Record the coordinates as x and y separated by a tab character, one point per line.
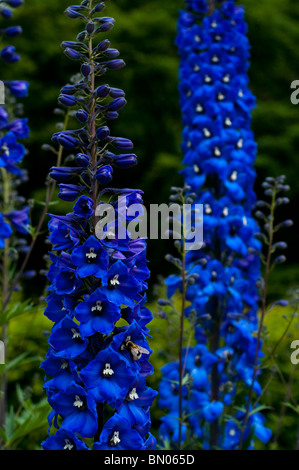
72	54
82	115
9	54
15	3
112	53
117	93
103	132
85	69
67	100
125	161
90	27
102	46
12	31
104	174
69	192
115	64
103	91
121	143
117	104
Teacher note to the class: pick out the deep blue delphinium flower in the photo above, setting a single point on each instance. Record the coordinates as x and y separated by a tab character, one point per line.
96	314
96	367
64	440
119	435
219	154
78	409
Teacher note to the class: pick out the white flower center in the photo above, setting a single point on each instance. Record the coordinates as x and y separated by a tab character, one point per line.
76	334
196	168
228	122
64	365
221	96
78	403
97	307
133	395
91	254
234	175
208	209
199	108
240	143
115	282
206	132
5	150
232	432
217	152
196	68
208	79
197	38
215	59
225	212
68	445
115	439
241	94
108	371
226	78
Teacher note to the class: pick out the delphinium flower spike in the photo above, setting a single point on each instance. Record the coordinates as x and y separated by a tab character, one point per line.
98	368
219	153
14	210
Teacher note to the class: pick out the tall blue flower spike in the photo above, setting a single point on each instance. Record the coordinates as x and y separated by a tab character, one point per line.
96	367
14	214
219	153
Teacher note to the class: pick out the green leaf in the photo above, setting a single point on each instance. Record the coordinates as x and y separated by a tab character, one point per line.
17	360
16	309
35	420
294	408
259	408
10	423
3	435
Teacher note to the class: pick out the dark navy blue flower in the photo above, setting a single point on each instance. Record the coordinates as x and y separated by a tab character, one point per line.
91	259
118	435
119	286
78	410
84	207
64	440
96	314
108	377
66	339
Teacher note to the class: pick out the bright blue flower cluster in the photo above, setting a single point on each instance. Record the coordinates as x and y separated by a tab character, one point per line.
12	128
219	153
98	354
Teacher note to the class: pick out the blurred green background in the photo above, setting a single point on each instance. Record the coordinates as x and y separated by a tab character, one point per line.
145	33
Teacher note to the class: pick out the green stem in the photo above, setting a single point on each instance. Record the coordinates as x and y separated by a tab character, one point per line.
181	365
263	312
5	283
